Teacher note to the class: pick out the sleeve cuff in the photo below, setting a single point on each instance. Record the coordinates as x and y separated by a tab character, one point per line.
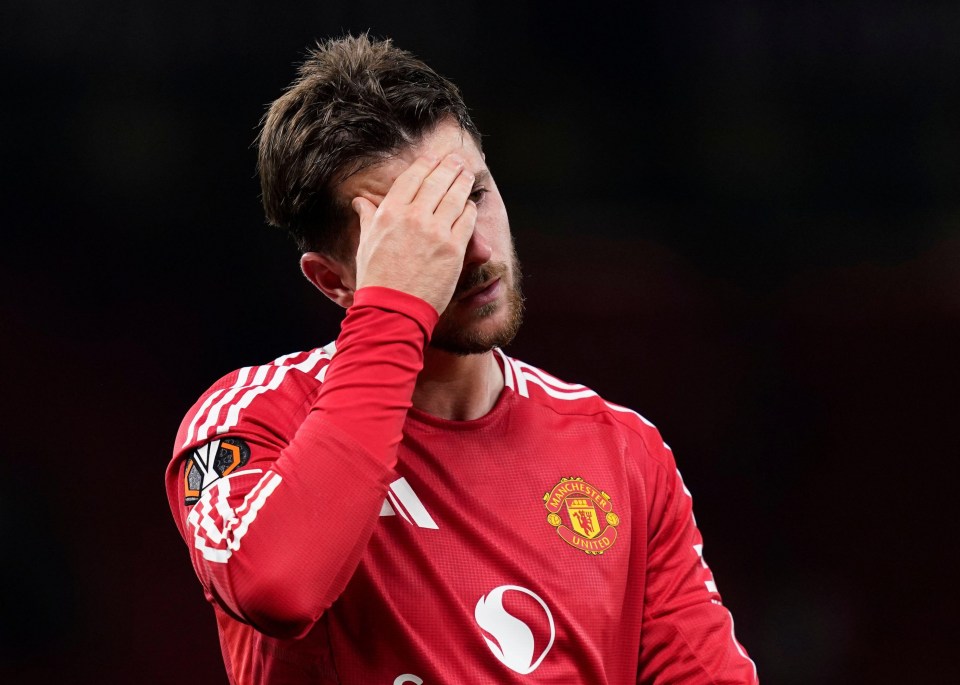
398	301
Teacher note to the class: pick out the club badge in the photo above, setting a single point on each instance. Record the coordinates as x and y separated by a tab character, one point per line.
582	514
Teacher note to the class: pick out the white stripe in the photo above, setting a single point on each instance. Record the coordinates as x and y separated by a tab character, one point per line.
558	394
241	379
306	366
241	384
386	509
204	431
617	407
233	527
684	485
199	414
203	520
223	508
740	648
412	503
544	376
254	507
233	415
522	389
507	369
200	515
279	361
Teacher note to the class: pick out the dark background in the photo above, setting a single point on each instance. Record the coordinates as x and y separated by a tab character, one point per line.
740	218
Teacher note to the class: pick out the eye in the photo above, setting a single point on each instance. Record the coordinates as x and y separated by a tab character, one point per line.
477	194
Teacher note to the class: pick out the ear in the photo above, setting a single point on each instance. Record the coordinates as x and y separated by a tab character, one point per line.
331	277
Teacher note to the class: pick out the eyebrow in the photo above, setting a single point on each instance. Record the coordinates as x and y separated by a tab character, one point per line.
481	177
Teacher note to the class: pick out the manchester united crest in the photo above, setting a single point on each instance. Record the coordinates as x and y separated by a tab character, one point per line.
582	514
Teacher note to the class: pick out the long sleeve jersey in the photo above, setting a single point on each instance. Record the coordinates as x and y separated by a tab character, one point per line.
343	536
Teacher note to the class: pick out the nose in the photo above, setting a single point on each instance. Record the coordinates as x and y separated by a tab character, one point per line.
478	251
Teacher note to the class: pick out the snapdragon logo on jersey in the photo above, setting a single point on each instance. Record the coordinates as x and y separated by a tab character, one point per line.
518	627
211	462
581	527
401	499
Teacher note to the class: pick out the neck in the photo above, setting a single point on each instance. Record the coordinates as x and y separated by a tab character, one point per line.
459	388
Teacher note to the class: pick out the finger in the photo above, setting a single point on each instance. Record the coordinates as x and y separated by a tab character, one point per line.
465	224
406	185
453	202
438	182
364	209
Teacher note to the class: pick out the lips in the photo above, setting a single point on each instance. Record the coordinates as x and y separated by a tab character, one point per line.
479	289
481	294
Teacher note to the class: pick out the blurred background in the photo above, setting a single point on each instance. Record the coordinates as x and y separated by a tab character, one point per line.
741	219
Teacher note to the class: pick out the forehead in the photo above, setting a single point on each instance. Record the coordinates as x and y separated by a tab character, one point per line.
373	182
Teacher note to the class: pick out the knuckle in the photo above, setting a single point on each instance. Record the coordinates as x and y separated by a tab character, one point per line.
431	183
407	214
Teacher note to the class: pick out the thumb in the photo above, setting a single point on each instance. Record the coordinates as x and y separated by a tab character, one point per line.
364	209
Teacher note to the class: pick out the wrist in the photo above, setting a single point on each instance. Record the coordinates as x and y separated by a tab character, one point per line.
390	299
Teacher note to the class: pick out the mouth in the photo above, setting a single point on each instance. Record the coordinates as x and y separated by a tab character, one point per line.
481	294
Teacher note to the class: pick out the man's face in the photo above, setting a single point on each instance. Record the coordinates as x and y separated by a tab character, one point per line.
487	305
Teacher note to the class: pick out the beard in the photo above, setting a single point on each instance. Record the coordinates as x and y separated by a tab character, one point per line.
455	336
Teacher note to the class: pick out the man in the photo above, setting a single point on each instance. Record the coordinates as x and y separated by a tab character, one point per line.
408	504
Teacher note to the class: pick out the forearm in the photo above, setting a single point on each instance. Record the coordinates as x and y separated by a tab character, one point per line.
305	521
369	384
687	634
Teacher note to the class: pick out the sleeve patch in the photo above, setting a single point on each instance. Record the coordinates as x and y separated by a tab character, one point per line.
211	462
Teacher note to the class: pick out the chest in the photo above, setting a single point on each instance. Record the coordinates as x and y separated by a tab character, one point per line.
554	493
519	537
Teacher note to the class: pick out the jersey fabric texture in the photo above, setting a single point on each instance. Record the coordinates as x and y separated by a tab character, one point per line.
343	536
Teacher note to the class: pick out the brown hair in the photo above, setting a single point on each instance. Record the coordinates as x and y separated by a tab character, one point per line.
355	101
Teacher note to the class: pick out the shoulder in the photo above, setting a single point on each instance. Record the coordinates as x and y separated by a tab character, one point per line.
268	395
575	400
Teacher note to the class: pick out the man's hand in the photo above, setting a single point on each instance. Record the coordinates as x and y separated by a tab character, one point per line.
416	239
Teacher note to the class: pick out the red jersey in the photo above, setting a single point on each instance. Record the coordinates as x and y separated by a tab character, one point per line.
343	536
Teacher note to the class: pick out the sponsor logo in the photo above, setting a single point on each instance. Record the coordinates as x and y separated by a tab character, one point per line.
582	514
211	462
510	638
407	678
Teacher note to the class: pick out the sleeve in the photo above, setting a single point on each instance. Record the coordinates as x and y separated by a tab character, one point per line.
286	499
687	634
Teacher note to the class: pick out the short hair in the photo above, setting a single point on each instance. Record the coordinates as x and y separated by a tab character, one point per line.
355	101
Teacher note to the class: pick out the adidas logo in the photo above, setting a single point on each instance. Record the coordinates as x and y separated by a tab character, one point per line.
401	499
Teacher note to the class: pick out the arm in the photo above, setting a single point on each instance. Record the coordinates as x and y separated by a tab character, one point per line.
687	634
276	540
274	544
